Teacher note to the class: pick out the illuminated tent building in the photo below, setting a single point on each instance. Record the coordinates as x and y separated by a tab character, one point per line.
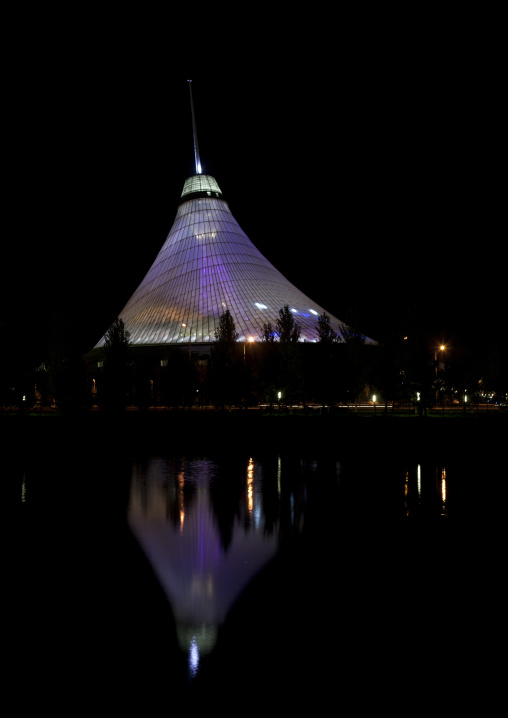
208	265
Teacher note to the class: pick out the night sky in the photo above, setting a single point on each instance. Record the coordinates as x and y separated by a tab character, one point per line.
371	182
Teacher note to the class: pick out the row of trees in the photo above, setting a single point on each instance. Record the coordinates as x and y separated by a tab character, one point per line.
281	369
339	368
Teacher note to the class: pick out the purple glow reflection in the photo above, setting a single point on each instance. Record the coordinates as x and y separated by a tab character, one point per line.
172	516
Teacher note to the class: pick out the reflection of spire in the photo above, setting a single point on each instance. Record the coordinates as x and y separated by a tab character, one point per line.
196	148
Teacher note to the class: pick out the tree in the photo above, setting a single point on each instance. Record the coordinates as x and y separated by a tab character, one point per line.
325	378
225	370
327	335
354	366
116	365
287	328
268	333
290	366
64	366
268	374
226	335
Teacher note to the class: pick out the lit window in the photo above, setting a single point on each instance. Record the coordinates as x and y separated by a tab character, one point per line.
260	306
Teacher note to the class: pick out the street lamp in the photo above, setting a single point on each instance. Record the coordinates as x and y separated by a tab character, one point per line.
441	349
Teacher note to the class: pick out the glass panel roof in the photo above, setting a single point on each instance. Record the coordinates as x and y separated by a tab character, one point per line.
200	183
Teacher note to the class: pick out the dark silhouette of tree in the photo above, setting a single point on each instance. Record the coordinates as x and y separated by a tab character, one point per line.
116	366
268	334
226	335
326	370
495	371
392	361
290	360
61	376
287	329
268	365
354	366
326	334
225	369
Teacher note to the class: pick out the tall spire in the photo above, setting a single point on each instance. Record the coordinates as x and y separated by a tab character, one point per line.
196	148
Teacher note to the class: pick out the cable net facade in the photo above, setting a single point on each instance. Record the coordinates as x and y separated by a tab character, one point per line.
207	265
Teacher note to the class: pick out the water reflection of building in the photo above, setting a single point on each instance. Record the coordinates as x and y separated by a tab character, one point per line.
202	565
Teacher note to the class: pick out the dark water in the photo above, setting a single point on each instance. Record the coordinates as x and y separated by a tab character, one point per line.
139	578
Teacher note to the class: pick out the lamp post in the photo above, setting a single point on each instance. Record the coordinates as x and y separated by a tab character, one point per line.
184	325
250	340
441	349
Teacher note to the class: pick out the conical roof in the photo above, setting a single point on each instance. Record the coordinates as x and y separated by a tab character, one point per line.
207	265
